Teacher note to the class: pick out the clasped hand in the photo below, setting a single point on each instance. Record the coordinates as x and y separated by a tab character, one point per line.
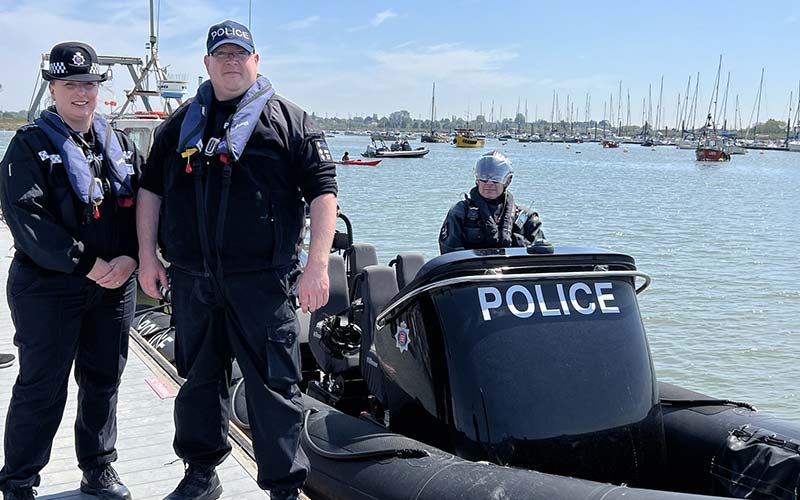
114	273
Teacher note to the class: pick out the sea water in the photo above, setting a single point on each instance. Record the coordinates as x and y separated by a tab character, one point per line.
720	240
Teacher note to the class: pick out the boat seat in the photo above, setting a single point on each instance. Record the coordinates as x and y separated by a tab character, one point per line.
406	266
376	286
338	305
357	257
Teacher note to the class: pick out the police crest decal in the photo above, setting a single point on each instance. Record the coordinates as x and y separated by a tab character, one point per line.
403	337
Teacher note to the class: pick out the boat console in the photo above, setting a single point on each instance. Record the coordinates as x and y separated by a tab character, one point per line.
537	360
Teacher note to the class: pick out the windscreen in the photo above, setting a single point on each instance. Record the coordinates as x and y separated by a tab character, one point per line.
544	358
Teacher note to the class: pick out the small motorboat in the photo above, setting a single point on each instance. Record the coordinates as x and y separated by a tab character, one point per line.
398	149
609	143
365	163
466	138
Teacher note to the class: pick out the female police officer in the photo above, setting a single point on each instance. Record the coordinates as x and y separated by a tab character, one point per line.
67	191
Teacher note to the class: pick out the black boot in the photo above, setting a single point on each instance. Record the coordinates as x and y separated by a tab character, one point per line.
283	494
199	483
104	482
6	360
21	493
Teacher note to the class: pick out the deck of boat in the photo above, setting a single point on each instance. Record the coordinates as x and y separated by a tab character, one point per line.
147	463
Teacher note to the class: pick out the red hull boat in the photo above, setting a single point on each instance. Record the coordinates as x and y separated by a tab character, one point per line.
711	153
365	163
711	148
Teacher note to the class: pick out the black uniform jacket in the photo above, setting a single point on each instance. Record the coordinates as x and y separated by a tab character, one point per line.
467	226
53	229
285	161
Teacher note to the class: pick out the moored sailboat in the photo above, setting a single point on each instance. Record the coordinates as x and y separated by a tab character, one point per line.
434	136
711	147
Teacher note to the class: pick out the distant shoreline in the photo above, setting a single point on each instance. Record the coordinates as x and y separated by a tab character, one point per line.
12	125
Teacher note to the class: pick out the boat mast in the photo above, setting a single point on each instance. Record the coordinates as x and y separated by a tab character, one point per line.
649	107
737	114
694	102
619	107
789	118
140	82
797	115
658	108
433	107
725	103
714	95
526	111
644	117
628	115
757	106
685	110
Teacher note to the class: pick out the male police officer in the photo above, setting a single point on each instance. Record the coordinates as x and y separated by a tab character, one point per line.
488	217
226	179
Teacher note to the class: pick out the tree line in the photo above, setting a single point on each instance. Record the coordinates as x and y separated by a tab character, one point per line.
402	121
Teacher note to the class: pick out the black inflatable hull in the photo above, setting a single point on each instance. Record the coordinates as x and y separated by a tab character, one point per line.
695	435
436	477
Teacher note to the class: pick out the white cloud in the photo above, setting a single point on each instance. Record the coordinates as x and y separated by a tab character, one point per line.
376	20
381	17
387	81
449	62
301	24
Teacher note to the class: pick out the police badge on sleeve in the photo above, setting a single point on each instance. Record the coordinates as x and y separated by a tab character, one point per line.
323	152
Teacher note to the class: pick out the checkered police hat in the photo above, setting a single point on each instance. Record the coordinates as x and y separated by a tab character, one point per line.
75	61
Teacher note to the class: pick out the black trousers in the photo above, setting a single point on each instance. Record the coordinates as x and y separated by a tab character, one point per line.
59	319
256	324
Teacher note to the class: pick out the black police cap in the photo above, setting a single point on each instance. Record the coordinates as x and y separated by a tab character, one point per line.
76	61
230	32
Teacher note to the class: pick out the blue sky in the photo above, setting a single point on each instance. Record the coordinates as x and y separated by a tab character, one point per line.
340	58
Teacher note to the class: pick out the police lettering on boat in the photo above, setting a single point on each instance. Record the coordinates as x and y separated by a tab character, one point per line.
576	297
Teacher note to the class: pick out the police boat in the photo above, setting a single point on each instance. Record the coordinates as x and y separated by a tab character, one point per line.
517	373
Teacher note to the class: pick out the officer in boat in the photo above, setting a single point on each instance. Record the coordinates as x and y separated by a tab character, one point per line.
224	186
488	216
67	192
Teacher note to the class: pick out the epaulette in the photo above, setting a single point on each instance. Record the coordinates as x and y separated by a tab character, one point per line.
27	127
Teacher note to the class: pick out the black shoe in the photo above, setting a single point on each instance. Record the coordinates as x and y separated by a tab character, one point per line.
24	493
198	483
6	360
283	494
104	482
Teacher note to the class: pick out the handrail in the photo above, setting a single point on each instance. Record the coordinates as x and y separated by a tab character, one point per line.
383	317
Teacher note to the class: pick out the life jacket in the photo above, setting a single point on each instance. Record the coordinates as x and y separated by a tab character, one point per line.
480	228
115	169
62	194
